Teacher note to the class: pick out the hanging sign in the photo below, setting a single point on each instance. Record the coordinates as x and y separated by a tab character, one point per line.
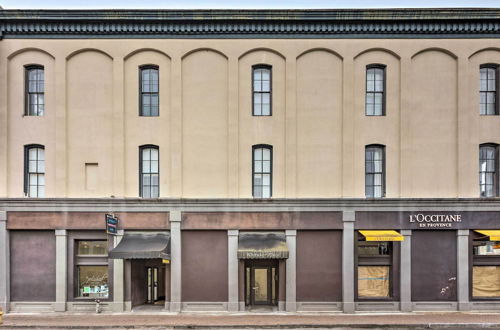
111	224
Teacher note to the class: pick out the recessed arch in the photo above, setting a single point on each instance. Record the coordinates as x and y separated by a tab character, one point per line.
140	50
378	49
436	49
495	49
328	50
265	49
76	52
29	49
202	49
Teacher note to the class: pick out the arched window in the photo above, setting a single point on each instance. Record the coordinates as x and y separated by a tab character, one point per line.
262	179
149	91
34	170
375	171
488	87
262	90
488	170
34	90
375	90
149	176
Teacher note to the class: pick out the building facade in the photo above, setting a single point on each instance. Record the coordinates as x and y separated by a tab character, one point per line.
296	160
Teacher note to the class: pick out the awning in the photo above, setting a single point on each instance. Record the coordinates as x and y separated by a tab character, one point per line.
382	235
142	245
493	234
262	245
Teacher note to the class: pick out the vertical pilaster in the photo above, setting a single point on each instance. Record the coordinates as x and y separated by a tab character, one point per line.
176	128
118	128
61	269
405	271
232	268
167	287
291	128
61	136
232	130
291	271
176	261
348	218
4	263
463	269
348	129
118	283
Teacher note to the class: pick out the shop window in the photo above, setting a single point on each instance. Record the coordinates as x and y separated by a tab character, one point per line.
262	90
262	171
34	170
92	272
488	170
93	248
375	171
488	89
375	90
486	267
34	90
149	176
149	91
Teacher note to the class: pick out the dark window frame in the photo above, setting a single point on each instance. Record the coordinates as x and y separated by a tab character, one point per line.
92	261
270	68
382	147
497	86
141	149
142	93
474	260
384	73
496	176
27	93
270	148
27	149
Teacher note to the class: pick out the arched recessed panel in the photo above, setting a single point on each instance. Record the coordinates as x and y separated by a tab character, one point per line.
83	50
435	49
378	49
137	51
261	49
494	49
320	49
193	51
29	49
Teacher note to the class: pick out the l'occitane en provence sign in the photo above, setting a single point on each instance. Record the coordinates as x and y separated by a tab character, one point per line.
435	220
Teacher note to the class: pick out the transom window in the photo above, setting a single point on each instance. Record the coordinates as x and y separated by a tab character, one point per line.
375	90
262	171
34	171
149	87
149	172
488	85
488	169
374	171
34	90
261	87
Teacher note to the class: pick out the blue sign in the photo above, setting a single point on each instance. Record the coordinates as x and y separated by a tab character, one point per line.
111	224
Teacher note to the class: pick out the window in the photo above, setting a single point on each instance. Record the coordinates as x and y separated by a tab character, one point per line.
261	88
488	86
374	171
485	267
262	171
375	90
488	170
149	171
34	90
34	171
149	86
92	271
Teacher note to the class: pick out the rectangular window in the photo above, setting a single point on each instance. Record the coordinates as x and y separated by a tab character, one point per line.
375	90
488	86
91	269
149	172
374	171
92	248
486	267
34	171
149	91
262	171
34	90
374	269
261	87
488	169
93	281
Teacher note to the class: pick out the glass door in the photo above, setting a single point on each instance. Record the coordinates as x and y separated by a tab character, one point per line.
152	282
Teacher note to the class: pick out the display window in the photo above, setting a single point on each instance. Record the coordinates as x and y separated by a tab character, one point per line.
93	281
485	267
91	269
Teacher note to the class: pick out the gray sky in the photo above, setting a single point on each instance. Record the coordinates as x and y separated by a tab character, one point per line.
216	4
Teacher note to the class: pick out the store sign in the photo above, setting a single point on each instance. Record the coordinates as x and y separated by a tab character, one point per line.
435	221
111	224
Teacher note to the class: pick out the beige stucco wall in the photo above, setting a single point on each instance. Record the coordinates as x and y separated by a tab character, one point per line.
205	131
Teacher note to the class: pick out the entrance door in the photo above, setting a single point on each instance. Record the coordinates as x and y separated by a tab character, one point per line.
261	283
152	279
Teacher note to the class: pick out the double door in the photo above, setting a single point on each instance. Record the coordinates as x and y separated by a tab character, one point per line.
261	283
152	284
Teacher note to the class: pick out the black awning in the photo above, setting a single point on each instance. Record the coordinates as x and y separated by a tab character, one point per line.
143	245
262	245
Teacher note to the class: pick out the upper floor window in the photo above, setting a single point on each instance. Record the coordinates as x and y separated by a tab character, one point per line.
375	90
374	171
34	171
488	86
34	90
261	88
488	170
149	176
149	87
262	171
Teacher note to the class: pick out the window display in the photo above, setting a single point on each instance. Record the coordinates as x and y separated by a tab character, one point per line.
93	281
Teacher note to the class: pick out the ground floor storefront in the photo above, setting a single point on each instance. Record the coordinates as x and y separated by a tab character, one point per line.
284	255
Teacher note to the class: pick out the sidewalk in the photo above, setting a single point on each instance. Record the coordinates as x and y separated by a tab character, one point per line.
415	320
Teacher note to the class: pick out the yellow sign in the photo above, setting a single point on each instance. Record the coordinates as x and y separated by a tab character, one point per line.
382	235
166	261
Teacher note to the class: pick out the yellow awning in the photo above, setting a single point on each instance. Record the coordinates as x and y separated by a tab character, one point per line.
493	234
382	235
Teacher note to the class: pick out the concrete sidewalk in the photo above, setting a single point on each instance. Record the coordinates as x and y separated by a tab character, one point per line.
456	320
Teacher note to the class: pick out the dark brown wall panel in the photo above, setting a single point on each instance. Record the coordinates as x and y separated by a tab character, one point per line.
434	265
32	266
319	265
204	266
